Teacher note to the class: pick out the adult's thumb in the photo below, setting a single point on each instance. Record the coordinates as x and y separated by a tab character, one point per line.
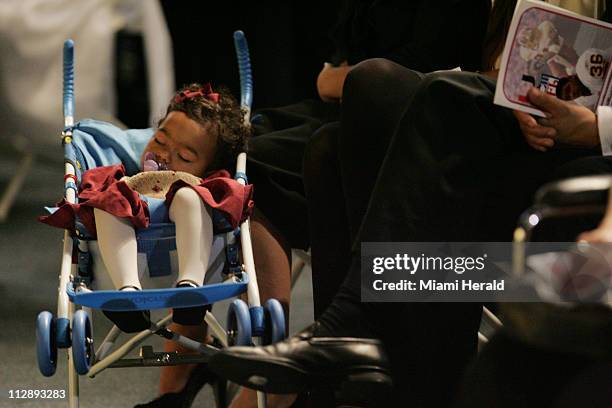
543	101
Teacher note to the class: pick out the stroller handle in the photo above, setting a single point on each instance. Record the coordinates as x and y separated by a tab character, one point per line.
68	83
244	68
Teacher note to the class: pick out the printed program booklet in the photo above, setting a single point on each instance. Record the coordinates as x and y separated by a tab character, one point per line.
561	53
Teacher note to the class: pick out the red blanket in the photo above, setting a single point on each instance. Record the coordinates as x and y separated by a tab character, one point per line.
102	189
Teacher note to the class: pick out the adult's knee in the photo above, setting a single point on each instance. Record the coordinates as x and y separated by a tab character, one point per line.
370	76
369	70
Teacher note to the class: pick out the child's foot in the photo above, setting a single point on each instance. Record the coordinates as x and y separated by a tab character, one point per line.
188	316
131	321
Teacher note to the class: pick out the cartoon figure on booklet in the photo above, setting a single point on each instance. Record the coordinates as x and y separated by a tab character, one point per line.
183	179
545	50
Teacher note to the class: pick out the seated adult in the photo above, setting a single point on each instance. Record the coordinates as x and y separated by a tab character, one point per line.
444	184
421	34
342	159
464	178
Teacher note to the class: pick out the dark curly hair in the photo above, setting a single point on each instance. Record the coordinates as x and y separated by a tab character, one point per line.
497	29
225	118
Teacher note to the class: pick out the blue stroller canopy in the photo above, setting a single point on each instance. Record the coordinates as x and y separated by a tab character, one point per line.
103	144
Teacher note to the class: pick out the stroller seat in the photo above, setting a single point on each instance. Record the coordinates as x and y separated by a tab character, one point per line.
83	282
94	144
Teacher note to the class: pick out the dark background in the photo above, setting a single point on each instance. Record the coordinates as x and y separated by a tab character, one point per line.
288	43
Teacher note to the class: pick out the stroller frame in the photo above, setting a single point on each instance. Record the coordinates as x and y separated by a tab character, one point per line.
71	328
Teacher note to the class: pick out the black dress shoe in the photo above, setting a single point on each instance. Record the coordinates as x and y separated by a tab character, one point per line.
352	365
198	378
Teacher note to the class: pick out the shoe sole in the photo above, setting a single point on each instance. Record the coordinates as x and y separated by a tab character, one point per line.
356	386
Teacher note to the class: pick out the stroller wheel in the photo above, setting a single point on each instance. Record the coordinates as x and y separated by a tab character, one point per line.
82	342
238	324
275	321
46	346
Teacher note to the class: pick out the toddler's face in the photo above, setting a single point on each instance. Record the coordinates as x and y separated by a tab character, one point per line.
180	144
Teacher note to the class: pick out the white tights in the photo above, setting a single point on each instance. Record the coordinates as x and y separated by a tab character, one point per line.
194	235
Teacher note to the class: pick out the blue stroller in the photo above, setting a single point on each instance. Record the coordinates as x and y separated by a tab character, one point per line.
84	284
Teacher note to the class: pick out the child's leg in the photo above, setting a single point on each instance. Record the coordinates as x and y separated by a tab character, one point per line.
272	263
274	278
174	378
194	235
272	256
117	243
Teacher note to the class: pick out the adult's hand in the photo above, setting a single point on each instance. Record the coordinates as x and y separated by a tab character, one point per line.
539	137
565	123
330	81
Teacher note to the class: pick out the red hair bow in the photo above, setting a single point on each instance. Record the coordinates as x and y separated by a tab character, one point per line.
206	91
